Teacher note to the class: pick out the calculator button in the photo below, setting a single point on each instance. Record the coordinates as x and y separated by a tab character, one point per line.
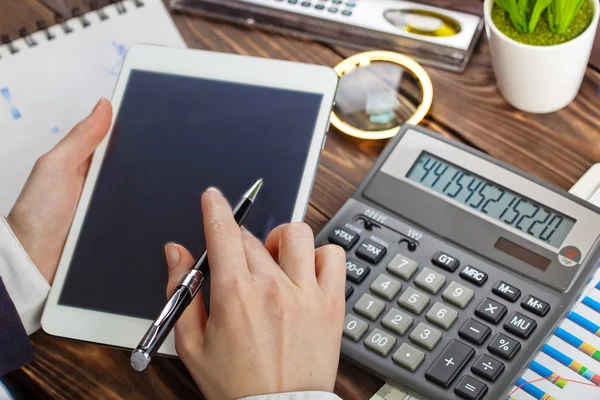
349	290
349	4
368	306
449	364
319	6
292	1
474	331
488	368
506	291
402	267
343	238
490	310
337	1
430	281
470	389
397	321
306	4
504	346
520	325
473	275
445	261
347	13
425	336
333	9
371	251
354	328
441	315
356	271
413	300
386	287
535	305
408	356
380	342
457	294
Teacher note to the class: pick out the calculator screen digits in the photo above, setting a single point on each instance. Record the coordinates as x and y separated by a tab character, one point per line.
486	197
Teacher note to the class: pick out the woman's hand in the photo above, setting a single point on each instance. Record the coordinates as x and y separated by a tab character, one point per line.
276	311
43	213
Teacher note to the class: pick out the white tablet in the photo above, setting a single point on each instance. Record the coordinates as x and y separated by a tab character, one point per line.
184	120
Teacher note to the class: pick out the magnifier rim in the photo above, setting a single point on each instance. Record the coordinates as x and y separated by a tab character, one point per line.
351	63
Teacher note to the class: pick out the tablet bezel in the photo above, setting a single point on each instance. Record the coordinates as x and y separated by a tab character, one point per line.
124	331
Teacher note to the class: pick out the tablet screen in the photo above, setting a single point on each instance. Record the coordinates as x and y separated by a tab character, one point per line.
173	137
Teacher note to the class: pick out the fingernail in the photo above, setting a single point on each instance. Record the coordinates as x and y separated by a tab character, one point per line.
98	103
173	255
213	190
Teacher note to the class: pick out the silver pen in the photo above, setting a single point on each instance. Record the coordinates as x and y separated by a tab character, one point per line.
184	293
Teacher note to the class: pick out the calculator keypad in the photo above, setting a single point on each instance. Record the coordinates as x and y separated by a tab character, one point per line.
426	302
425	336
397	321
457	294
430	281
413	300
354	328
380	342
386	287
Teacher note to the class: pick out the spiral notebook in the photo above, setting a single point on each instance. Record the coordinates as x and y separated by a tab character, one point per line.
51	79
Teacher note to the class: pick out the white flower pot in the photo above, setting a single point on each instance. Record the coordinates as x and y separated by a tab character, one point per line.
539	79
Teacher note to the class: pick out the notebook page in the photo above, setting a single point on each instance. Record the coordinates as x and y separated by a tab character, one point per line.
47	89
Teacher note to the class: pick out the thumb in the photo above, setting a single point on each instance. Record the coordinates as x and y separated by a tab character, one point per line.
190	327
79	144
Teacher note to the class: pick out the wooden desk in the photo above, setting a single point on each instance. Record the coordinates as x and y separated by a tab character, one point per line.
558	147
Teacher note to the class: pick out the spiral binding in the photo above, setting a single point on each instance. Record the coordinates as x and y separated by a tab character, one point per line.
60	19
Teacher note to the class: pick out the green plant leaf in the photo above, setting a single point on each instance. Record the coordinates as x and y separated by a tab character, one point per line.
513	10
540	5
569	15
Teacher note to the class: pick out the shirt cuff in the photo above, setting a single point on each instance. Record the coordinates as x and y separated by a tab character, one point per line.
295	396
25	285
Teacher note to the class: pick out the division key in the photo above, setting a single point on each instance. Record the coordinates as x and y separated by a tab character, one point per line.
448	365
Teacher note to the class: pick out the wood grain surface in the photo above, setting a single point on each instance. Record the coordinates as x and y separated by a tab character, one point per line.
467	107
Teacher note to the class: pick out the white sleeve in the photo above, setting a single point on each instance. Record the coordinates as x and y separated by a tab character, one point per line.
25	285
295	396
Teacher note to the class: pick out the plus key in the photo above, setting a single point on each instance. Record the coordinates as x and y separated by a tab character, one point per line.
449	364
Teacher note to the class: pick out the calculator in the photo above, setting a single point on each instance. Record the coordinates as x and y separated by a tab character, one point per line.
431	35
458	267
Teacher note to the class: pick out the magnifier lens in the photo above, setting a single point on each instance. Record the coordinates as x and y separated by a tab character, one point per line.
378	92
378	97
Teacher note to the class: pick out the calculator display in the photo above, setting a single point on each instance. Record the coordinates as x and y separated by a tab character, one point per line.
488	198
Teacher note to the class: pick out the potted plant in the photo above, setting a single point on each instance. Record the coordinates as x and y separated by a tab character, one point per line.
540	49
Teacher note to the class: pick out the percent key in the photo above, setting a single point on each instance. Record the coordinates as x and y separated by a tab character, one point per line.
504	346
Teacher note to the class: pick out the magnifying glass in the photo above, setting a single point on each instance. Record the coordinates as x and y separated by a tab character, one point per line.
379	91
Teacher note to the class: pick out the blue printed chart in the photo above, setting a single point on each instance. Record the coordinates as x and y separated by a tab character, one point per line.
569	363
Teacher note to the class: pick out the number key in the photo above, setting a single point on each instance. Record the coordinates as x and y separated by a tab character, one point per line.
441	315
380	342
397	321
354	328
402	267
385	287
457	294
425	336
356	271
368	306
430	281
413	300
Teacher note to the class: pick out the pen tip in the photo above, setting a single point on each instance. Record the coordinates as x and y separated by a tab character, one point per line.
253	191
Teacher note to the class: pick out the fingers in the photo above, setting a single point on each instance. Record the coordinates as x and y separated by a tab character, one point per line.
192	323
79	144
272	242
330	264
260	262
296	252
223	239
